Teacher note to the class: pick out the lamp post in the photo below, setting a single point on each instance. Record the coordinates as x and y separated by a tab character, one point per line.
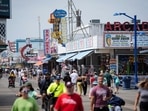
135	44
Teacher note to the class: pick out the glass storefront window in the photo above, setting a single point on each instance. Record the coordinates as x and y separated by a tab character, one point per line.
126	64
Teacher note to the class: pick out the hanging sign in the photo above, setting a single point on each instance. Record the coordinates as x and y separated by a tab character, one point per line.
59	13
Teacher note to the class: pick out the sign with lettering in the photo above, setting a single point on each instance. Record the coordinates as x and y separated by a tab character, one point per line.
123	40
31	55
4	8
59	13
142	40
126	26
117	40
47	46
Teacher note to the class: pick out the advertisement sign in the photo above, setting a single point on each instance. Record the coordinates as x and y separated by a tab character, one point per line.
142	40
46	34
4	8
113	64
124	40
117	40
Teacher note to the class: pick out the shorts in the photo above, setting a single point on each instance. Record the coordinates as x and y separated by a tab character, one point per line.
53	100
101	109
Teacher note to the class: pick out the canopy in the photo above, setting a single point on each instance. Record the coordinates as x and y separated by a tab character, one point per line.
65	57
46	60
80	55
38	63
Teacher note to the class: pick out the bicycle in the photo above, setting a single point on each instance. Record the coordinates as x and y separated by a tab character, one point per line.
47	103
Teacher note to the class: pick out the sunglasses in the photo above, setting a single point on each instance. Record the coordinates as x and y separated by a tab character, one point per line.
25	91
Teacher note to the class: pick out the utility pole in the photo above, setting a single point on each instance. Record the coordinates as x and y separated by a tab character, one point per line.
39	32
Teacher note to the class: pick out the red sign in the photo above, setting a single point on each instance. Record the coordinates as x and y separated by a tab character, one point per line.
46	41
126	26
23	50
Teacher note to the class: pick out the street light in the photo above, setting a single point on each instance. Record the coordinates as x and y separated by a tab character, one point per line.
135	43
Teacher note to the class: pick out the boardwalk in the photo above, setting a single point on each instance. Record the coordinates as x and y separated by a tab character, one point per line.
7	96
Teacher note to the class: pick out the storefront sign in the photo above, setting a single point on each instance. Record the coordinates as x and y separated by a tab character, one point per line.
117	40
31	55
126	26
23	51
47	46
59	13
4	8
142	40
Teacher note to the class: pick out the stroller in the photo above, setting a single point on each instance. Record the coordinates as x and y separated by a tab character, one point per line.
115	103
11	81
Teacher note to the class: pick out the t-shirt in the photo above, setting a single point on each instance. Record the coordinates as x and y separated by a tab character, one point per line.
32	94
28	104
108	77
98	92
74	77
143	94
71	102
92	79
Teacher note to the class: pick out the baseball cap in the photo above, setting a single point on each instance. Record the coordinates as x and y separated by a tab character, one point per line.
69	84
58	77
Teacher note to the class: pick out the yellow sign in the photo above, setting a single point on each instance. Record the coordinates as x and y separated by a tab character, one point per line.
60	41
56	34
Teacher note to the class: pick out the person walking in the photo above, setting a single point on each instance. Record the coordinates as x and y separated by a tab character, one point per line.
56	89
79	85
84	84
31	92
100	94
25	103
116	82
69	101
67	77
108	77
95	83
74	76
44	84
142	96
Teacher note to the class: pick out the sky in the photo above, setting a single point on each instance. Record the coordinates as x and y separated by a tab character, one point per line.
24	21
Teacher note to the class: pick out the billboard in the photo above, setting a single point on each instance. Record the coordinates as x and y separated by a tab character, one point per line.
4	8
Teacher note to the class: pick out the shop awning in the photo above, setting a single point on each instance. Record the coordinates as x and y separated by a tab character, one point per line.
46	59
65	57
80	55
38	63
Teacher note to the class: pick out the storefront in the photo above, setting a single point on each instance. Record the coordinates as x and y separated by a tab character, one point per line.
126	64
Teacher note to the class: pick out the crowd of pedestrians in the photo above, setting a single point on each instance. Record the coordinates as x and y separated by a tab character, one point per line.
64	92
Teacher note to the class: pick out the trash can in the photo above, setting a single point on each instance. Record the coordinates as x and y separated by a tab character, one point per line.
126	82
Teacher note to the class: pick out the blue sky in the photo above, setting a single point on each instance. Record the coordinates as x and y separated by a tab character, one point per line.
24	21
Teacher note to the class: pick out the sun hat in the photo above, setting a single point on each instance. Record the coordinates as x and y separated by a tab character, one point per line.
28	84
